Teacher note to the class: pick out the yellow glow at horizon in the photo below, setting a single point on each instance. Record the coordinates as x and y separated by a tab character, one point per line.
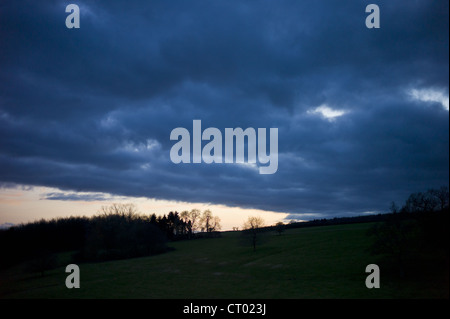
27	205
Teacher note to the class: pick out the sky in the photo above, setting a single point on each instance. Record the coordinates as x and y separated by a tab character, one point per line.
86	113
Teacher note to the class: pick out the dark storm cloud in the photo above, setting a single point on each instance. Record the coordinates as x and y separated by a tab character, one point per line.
91	109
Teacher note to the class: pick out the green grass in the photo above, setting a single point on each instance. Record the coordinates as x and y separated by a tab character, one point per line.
318	262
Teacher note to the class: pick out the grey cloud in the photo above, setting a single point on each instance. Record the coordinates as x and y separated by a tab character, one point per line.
70	196
91	110
6	225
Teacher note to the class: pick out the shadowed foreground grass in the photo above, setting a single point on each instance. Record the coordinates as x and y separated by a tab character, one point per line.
318	262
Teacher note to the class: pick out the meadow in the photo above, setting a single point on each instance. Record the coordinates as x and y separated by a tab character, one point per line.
303	263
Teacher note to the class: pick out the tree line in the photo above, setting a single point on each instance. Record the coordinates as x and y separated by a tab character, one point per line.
120	231
188	224
422	221
420	226
117	231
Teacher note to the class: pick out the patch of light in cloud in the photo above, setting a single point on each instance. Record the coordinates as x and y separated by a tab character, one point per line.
133	147
152	144
108	122
430	95
250	166
370	213
327	112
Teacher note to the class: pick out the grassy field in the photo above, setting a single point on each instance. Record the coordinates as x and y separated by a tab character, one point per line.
317	262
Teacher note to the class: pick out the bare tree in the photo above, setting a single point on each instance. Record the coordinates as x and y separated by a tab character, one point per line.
252	229
279	228
124	210
421	202
442	196
215	224
184	215
253	223
393	237
206	220
194	217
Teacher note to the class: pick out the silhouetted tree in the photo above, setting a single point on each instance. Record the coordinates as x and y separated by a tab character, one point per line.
209	223
206	220
279	228
429	201
215	224
120	232
194	217
442	197
28	241
252	229
124	210
394	238
116	231
422	223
